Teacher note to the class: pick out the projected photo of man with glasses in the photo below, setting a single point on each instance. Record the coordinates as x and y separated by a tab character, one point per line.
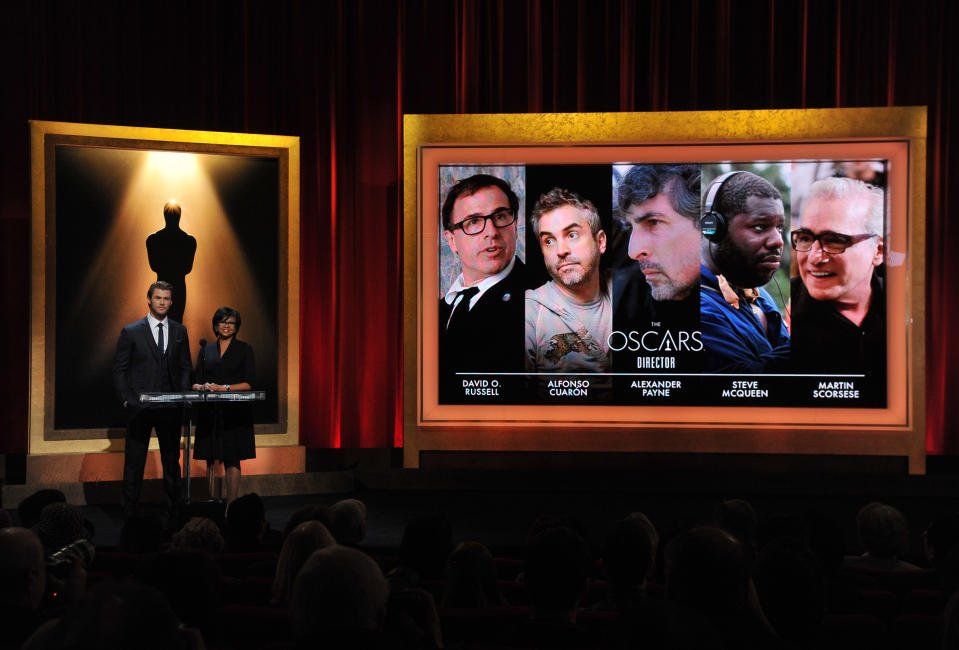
838	300
481	321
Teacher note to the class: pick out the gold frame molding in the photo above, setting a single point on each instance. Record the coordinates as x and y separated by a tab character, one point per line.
286	148
902	127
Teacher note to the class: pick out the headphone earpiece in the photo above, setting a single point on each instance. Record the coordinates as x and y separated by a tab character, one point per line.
713	224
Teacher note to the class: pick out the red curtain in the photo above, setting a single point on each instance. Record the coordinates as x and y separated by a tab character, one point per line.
341	73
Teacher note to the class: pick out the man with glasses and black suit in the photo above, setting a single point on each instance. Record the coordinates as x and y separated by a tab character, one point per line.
481	315
838	302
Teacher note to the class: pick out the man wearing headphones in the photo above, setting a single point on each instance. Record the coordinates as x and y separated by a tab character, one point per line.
742	227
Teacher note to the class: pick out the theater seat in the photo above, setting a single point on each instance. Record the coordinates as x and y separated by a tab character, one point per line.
853	631
916	632
247	565
929	602
248	627
494	625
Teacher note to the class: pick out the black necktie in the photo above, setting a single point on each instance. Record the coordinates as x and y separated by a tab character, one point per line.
461	309
160	339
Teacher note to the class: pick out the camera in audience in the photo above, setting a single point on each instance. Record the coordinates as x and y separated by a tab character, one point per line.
59	562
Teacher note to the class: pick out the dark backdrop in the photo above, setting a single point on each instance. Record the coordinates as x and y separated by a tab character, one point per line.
341	73
93	199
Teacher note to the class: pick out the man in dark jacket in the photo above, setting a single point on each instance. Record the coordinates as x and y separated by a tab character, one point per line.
481	315
153	354
839	310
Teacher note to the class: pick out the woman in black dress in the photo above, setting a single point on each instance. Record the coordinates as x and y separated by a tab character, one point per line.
225	364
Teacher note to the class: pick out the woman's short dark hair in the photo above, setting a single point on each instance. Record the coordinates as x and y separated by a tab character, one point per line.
224	313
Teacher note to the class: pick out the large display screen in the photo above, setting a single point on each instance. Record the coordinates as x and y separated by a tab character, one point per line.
681	283
729	282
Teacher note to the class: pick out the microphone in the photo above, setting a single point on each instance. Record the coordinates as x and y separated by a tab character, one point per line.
200	355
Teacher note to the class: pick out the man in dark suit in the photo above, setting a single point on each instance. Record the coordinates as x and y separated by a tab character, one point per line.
481	317
153	354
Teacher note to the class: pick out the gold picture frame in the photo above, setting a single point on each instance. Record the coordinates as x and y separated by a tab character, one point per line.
101	283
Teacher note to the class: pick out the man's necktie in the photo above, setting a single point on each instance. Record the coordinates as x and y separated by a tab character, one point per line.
160	339
462	309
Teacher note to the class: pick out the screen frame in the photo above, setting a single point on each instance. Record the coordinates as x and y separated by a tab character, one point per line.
894	133
45	137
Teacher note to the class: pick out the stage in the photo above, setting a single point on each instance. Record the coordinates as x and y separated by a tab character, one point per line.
494	498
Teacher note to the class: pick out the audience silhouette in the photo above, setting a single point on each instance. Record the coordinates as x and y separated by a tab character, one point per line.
22	585
298	546
748	579
339	600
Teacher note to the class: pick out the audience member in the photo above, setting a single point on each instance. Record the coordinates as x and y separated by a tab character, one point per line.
191	583
310	512
199	534
22	582
247	530
707	571
471	578
348	520
940	537
61	524
338	597
949	639
737	517
778	525
426	544
628	558
30	508
791	589
142	532
824	537
627	561
298	546
556	574
339	600
412	622
114	615
884	536
947	570
544	522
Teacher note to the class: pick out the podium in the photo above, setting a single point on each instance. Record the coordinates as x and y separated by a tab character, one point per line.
190	397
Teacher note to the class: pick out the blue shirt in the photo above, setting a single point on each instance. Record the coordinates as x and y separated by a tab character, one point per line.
734	338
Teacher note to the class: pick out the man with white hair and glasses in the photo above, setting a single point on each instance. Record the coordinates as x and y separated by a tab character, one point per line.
838	300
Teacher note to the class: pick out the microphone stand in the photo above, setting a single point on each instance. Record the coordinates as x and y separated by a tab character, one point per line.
185	427
210	470
203	405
